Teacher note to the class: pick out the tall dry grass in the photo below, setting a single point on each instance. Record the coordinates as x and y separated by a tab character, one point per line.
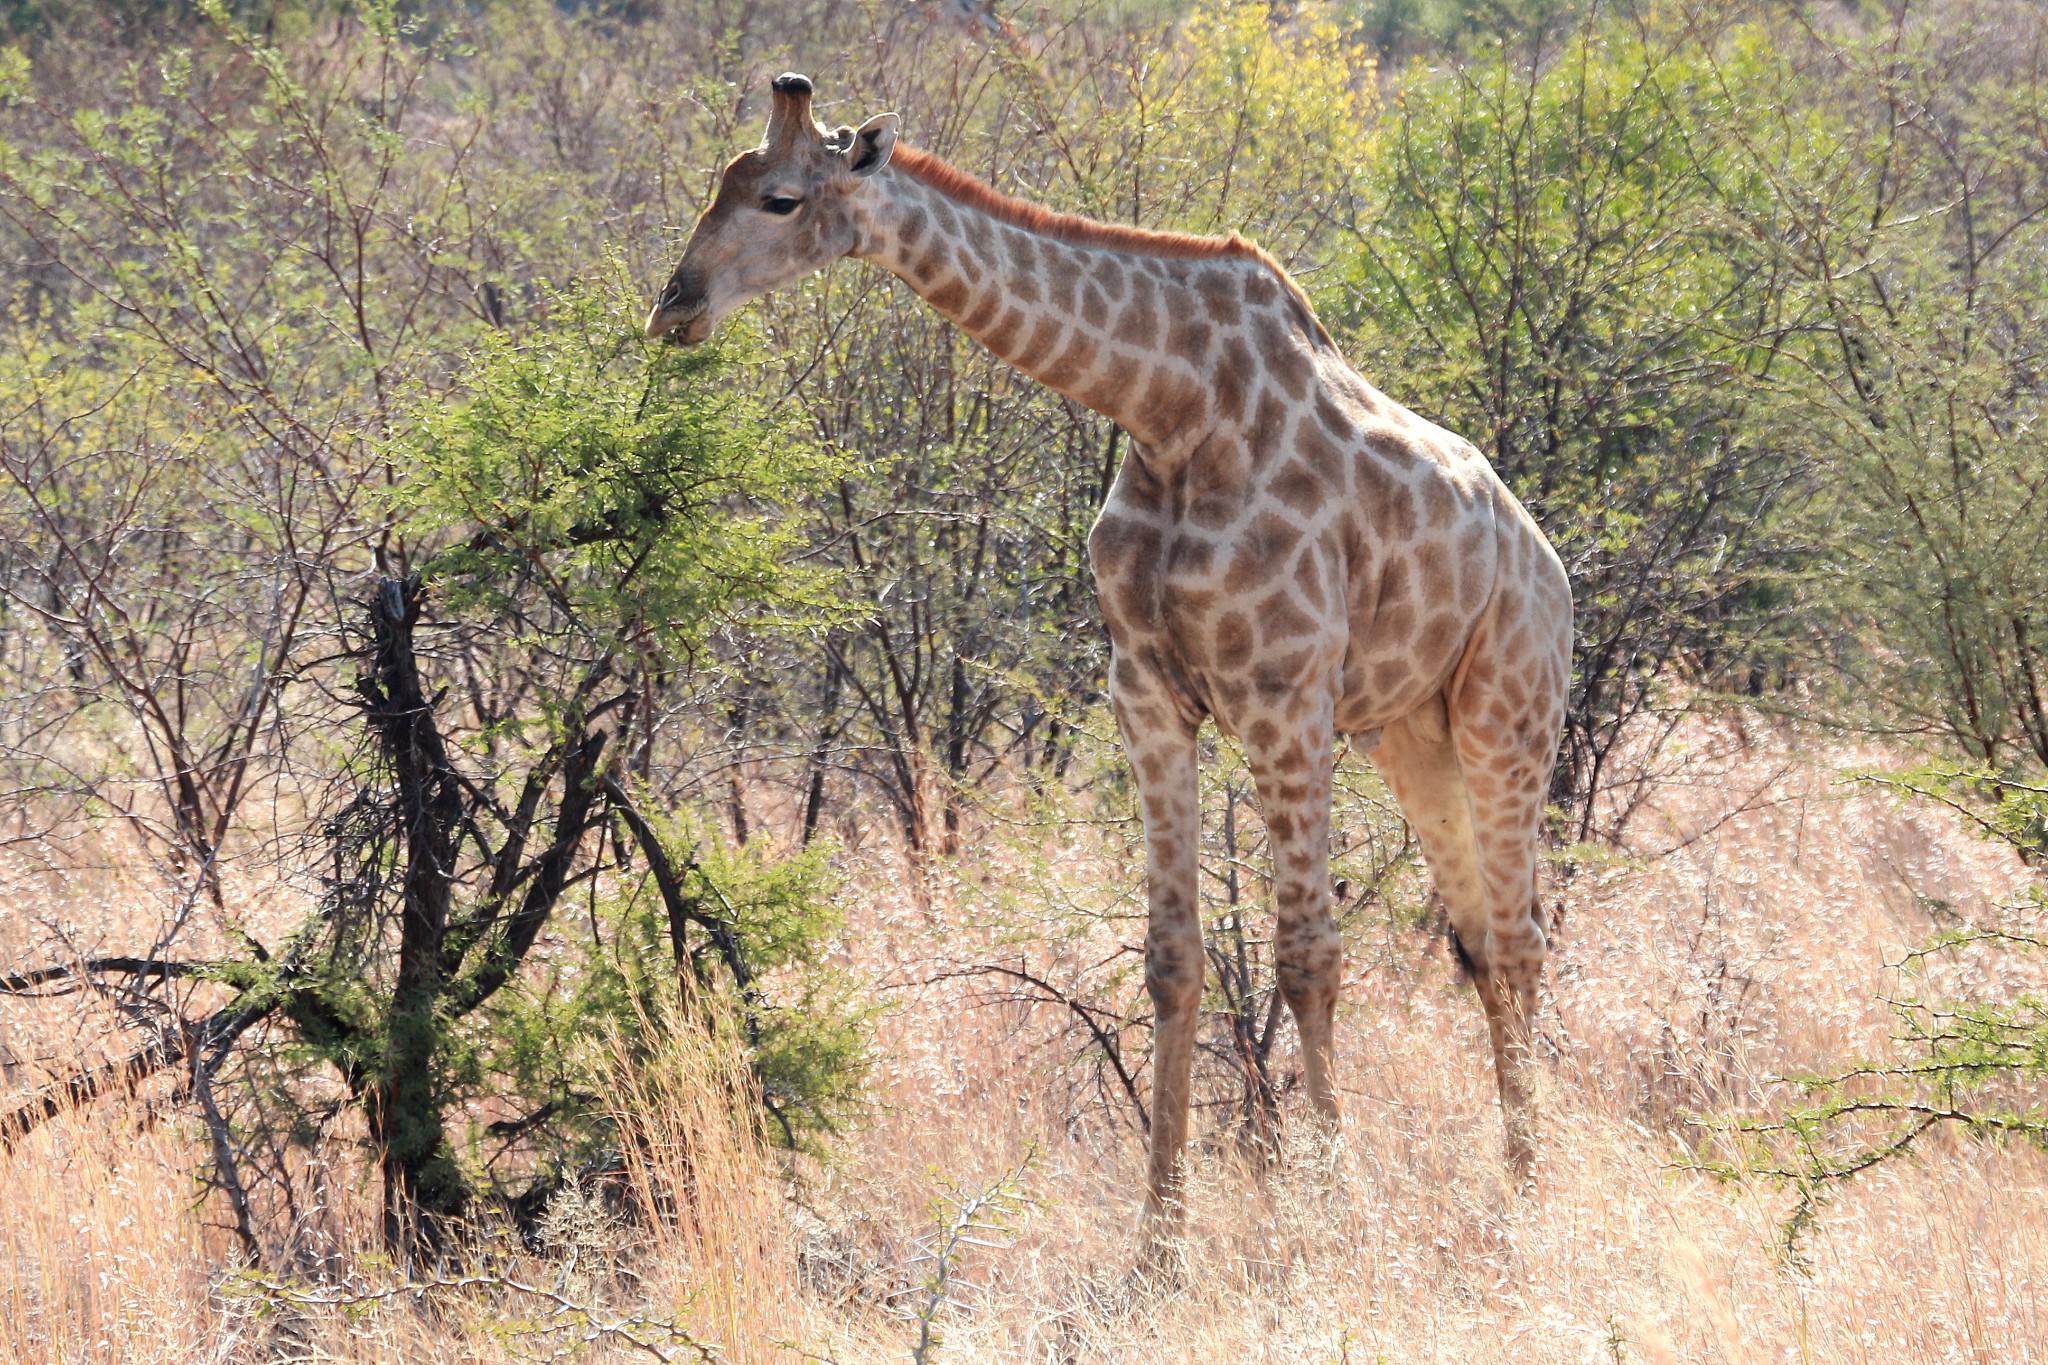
1747	934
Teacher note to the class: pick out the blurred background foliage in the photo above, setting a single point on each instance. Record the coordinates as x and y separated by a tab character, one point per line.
1743	299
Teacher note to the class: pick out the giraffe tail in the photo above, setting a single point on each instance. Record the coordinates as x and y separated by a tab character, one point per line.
1468	970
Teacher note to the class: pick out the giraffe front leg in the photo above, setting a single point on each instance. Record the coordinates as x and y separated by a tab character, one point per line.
1292	769
1161	750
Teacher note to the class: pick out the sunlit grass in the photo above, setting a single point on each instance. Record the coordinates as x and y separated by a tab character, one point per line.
1749	937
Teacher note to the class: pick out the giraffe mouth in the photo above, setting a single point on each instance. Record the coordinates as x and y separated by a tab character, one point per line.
679	325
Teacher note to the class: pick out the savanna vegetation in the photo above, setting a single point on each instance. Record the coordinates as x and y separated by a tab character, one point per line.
519	841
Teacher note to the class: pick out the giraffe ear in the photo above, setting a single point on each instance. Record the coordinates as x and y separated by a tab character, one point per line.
872	143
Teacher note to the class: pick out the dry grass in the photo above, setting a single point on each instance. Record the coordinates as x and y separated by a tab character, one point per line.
1749	937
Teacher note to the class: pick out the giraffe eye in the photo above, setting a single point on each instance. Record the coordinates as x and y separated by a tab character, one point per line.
781	206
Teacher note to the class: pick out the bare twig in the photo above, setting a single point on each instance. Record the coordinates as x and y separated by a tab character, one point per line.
659	1338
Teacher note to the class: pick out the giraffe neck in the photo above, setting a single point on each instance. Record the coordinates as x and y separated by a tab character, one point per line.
1150	341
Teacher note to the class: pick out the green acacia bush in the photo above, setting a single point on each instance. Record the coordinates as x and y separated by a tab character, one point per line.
572	518
580	492
1917	385
609	998
1909	251
601	507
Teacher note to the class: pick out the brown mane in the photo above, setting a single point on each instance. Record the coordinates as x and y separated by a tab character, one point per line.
973	192
977	193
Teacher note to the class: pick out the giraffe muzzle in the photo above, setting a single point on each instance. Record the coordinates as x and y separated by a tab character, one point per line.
680	329
680	316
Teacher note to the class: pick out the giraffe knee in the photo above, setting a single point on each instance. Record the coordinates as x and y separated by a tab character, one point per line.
1308	961
1173	972
1307	991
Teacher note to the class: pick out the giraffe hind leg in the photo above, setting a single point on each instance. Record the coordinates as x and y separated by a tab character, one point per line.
1504	724
1421	760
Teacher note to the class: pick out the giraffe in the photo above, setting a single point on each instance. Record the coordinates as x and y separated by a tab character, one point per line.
1285	552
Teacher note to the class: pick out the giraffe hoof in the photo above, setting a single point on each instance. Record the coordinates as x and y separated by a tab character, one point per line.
1521	1164
1162	1265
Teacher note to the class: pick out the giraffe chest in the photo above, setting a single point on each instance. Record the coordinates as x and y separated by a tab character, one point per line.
1243	615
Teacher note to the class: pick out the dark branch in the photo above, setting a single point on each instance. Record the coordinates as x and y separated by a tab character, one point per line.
1105	1040
682	907
170	1047
72	974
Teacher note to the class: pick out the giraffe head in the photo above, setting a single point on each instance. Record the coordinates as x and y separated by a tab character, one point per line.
783	210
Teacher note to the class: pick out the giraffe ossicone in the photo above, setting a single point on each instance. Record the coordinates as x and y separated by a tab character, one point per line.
1286	552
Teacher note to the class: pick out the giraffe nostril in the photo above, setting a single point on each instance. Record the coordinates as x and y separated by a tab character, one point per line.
683	294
